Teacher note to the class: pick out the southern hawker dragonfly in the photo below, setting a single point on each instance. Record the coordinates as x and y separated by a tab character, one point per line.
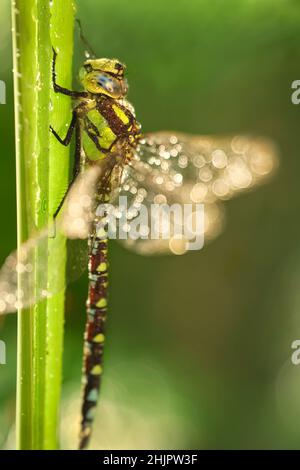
113	159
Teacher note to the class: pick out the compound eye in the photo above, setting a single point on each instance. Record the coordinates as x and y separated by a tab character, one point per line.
109	84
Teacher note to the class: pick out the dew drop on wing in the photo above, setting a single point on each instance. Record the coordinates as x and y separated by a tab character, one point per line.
176	168
73	222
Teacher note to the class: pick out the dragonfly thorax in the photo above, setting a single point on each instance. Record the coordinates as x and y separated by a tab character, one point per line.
104	76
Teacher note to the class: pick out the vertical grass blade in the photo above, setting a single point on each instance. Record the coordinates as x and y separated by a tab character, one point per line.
42	175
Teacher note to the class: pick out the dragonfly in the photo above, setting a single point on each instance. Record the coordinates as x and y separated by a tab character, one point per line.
114	159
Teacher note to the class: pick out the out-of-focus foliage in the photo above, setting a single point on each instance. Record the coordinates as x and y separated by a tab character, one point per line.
198	351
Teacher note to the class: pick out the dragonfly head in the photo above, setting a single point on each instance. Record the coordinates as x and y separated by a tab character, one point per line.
104	76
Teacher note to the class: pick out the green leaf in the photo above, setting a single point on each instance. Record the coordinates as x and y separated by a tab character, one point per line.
42	178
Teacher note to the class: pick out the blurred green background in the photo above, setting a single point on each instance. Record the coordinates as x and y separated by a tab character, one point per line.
199	346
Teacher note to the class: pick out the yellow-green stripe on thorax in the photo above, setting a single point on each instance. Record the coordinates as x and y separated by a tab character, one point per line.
102	123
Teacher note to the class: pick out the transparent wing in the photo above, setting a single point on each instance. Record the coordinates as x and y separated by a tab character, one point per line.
168	169
28	268
26	276
173	168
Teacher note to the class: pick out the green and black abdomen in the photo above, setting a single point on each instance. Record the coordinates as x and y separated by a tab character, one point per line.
103	122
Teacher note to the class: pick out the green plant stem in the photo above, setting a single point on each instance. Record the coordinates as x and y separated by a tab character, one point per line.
42	175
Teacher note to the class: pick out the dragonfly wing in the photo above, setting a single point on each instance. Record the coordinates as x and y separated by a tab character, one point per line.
174	168
97	185
24	276
18	269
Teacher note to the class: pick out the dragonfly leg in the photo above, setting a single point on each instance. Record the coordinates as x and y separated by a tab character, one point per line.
76	168
63	199
59	89
84	40
69	134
